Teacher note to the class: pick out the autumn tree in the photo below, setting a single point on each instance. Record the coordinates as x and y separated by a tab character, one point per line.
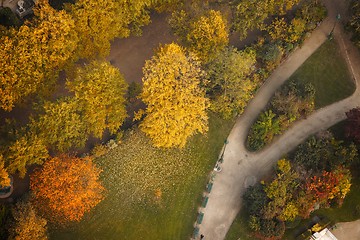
99	22
208	35
26	150
66	188
176	104
4	175
329	186
99	90
250	14
282	204
60	125
28	225
230	85
34	53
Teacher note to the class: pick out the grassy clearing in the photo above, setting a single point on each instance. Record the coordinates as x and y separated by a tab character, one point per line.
327	71
152	194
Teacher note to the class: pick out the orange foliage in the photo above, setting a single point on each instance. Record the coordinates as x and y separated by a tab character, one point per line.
66	188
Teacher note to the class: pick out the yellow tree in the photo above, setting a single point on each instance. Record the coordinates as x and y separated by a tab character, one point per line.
4	175
176	104
208	35
28	225
100	21
61	126
99	92
33	53
66	188
27	150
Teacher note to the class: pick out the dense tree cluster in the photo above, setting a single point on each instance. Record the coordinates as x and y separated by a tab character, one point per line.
294	101
31	56
296	188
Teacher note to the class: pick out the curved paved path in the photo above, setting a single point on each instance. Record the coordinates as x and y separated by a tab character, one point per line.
242	168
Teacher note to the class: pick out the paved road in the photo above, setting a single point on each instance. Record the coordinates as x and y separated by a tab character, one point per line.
242	168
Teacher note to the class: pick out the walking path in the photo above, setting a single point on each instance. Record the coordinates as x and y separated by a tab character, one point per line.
347	230
242	168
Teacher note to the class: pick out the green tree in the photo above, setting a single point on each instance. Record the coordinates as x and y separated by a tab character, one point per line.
176	105
229	82
208	35
264	130
34	53
99	90
28	225
318	154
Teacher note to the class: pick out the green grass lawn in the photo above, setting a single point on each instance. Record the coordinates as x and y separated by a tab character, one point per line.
327	71
130	211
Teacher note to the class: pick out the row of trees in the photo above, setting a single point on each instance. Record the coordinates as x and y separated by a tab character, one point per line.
318	174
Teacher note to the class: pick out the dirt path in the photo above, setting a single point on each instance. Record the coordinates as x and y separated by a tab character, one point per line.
129	54
242	168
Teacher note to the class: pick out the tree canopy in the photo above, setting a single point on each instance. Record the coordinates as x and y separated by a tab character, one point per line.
99	92
66	188
176	104
28	224
99	22
31	56
229	82
251	14
208	35
60	125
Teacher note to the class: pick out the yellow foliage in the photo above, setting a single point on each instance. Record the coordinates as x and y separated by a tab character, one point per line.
28	225
4	175
296	30
278	29
98	22
99	93
61	125
208	35
176	105
34	52
27	150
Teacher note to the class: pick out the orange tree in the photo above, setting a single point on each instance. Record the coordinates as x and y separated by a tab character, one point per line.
66	188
